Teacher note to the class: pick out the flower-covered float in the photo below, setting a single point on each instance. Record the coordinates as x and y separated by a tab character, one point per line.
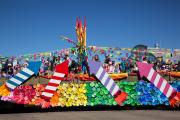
94	85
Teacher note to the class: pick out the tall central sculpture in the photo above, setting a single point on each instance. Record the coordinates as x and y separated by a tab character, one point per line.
80	43
81	39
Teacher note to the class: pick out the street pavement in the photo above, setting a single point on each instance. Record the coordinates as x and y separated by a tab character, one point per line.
96	115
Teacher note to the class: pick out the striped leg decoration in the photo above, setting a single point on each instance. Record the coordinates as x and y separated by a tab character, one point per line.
60	72
147	71
108	82
160	83
52	85
23	75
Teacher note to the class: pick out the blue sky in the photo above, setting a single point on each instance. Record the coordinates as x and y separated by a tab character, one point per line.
31	26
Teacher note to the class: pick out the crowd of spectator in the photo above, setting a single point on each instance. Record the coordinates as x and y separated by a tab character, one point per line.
127	66
9	68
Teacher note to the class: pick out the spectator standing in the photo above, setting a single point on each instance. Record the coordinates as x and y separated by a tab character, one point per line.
111	67
178	67
96	58
145	60
107	59
123	66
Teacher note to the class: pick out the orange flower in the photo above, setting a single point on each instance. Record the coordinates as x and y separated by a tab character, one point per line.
54	100
4	91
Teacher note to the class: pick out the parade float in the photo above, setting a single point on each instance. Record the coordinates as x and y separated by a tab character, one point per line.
93	86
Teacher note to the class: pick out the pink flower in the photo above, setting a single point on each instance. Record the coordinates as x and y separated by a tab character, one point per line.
23	94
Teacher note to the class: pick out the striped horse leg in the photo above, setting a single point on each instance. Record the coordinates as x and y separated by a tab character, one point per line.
109	83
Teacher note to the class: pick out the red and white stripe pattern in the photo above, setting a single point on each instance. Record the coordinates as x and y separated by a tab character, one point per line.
160	83
52	85
60	71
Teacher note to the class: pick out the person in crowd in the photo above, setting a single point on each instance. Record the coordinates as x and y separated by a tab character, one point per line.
52	62
156	66
85	67
46	67
6	66
96	58
107	59
66	57
145	60
10	70
117	68
131	67
178	67
15	69
123	65
10	67
135	68
111	66
73	68
163	67
106	67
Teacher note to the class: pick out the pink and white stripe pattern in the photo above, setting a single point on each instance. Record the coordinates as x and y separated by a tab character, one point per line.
160	83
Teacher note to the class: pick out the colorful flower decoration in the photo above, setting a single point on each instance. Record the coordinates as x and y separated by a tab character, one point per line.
23	94
4	91
87	94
